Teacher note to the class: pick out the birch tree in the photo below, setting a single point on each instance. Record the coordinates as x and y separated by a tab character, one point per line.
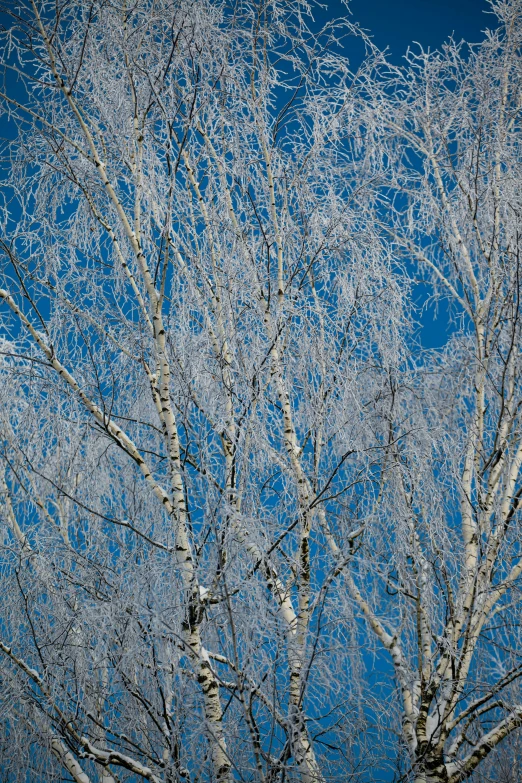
438	578
199	320
252	530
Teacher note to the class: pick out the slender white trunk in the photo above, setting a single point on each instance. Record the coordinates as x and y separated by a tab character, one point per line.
69	762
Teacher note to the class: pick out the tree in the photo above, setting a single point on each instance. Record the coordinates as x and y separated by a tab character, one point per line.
449	531
232	477
199	318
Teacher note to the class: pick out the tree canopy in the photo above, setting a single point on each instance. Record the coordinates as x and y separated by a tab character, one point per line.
253	529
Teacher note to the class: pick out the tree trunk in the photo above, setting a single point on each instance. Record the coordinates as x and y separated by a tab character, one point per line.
432	769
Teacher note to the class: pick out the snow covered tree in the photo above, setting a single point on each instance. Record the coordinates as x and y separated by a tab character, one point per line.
232	480
443	557
199	319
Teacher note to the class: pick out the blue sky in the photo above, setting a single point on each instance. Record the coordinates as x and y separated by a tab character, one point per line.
397	23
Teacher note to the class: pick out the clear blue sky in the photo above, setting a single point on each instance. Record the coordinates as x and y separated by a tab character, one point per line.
397	23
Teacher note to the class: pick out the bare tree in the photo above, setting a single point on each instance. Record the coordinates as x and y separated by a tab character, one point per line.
438	577
252	529
199	321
